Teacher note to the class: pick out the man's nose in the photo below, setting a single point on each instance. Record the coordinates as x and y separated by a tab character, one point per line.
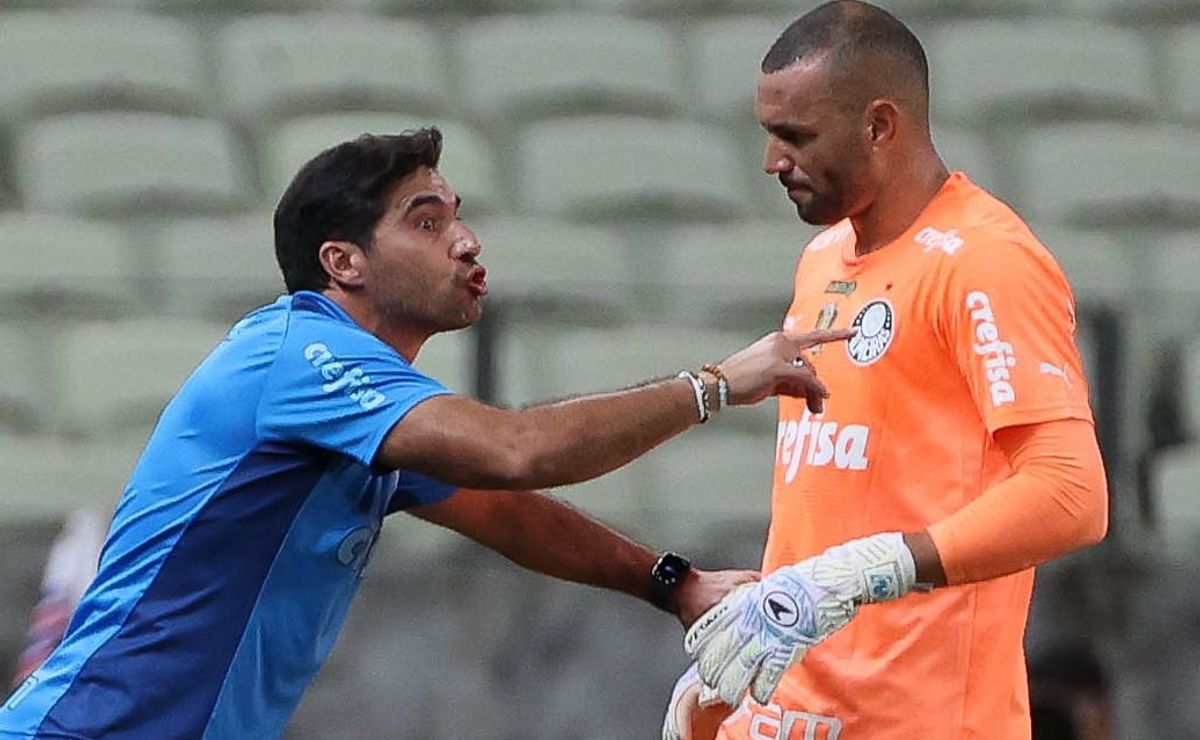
776	160
467	246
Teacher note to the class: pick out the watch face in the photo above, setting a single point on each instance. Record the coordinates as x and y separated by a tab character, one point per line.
670	568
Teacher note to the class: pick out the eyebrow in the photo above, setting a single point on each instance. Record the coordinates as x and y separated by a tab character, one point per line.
424	200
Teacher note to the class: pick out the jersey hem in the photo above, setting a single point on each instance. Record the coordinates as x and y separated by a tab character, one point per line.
1037	414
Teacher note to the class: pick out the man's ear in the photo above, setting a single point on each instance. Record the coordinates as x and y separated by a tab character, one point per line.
882	121
343	261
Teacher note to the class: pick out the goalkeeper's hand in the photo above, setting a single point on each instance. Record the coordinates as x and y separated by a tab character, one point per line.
695	711
751	638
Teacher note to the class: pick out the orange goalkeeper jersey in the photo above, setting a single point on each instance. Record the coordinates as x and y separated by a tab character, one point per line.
966	326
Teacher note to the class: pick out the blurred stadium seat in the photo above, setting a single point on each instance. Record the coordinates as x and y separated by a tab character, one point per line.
1142	10
1173	279
449	358
83	60
1054	68
116	376
130	163
1184	57
1176	499
715	473
467	160
608	166
725	55
738	274
282	65
1113	174
65	266
622	498
45	478
967	151
556	270
22	377
544	65
219	267
1100	268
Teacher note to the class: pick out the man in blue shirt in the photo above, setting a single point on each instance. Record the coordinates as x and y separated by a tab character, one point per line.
250	518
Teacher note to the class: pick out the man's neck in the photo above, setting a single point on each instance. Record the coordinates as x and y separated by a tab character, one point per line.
899	202
407	342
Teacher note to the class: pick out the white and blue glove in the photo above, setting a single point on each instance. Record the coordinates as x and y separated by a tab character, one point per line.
758	631
687	685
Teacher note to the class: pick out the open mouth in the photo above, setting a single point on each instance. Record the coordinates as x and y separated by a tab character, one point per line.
477	281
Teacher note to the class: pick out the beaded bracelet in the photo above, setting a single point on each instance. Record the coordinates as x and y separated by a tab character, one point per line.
722	385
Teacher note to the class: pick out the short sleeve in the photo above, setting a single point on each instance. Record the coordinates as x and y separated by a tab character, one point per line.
1008	316
336	386
415	489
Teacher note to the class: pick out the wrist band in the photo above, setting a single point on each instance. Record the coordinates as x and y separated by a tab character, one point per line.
722	385
700	391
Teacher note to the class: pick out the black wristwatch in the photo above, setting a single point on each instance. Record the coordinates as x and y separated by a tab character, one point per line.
665	577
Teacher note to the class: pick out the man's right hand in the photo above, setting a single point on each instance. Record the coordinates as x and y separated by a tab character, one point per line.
776	365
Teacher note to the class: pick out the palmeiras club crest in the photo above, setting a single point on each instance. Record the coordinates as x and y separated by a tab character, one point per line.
876	324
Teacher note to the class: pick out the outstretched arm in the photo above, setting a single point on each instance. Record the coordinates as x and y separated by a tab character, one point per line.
542	533
470	444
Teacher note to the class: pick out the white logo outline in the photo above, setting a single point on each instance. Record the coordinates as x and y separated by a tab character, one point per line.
876	324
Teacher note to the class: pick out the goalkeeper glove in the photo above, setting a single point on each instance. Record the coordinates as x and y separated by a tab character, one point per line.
757	632
695	711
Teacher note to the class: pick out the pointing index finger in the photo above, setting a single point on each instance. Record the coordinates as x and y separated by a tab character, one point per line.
808	339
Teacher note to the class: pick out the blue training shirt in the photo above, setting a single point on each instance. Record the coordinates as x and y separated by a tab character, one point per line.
240	540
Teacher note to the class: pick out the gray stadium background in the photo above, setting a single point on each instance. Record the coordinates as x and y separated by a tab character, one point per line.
609	160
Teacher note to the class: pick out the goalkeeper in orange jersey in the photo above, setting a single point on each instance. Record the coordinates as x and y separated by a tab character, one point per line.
956	453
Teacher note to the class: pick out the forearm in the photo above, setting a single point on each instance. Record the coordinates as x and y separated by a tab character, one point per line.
581	438
544	534
1055	503
466	443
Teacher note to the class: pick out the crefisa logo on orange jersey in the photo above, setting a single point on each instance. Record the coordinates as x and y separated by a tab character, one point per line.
819	443
998	355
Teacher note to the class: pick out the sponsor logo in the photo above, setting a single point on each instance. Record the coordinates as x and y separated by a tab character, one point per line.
998	356
773	722
829	236
342	378
945	241
781	608
354	551
876	324
819	443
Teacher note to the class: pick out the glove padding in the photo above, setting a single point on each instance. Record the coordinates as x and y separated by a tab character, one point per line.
687	683
758	631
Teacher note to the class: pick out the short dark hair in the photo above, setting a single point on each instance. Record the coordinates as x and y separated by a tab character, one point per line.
341	194
851	31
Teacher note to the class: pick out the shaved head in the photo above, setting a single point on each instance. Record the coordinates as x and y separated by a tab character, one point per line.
868	53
